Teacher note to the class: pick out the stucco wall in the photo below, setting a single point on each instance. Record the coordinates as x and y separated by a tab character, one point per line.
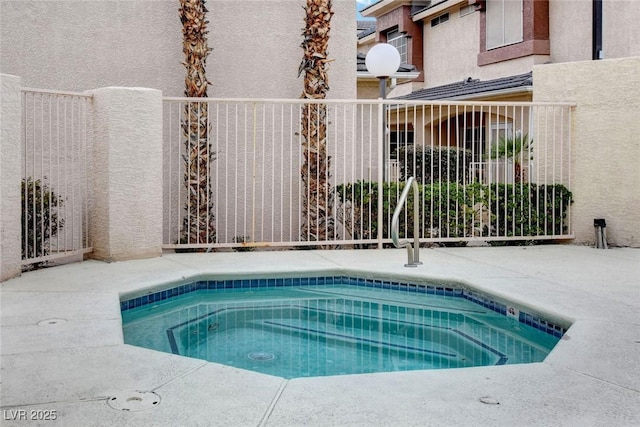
83	45
343	49
621	28
605	142
10	227
451	52
261	41
457	36
368	89
570	30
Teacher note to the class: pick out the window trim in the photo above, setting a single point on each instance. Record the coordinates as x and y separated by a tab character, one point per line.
535	35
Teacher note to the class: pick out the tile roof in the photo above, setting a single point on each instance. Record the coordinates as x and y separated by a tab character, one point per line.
363	67
368	31
365	25
469	87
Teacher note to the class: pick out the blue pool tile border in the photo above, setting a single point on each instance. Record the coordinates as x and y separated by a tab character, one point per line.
406	286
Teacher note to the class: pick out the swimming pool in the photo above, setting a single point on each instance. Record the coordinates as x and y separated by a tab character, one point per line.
335	325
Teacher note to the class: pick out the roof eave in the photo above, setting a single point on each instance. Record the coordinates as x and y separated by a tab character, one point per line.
494	93
367	39
367	76
436	9
480	96
382	7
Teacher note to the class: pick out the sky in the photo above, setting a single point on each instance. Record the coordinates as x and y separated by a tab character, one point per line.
361	4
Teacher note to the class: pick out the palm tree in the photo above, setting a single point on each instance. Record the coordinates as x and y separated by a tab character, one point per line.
199	223
317	198
511	147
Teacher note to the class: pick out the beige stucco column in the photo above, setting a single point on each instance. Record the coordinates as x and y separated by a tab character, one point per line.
10	231
127	174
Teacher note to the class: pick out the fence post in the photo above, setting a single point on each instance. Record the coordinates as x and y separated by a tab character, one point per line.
10	173
381	166
127	173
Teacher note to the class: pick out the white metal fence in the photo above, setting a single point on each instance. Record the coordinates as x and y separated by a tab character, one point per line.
487	171
57	143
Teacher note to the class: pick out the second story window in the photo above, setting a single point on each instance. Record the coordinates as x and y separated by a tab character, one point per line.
440	19
504	22
399	41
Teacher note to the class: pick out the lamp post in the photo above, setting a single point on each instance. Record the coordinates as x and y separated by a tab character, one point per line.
383	60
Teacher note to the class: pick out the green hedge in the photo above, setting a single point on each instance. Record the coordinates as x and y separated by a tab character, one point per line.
528	209
433	165
458	211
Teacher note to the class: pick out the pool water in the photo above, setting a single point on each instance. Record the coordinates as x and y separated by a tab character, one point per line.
310	331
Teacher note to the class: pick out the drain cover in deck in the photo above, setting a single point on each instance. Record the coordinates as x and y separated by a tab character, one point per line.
134	400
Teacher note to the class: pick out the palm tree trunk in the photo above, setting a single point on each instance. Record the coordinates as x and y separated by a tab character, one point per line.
199	223
517	171
317	199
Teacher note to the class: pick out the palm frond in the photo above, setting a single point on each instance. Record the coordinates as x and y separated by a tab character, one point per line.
510	147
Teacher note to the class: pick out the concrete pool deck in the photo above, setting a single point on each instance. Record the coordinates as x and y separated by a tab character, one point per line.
72	366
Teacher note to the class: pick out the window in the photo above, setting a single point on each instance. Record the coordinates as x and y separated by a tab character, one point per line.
440	19
399	41
467	10
400	138
500	130
474	138
504	22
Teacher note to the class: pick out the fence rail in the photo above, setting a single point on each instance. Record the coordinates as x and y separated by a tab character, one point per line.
494	172
57	143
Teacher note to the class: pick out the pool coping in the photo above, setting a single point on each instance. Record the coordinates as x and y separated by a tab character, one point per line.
605	328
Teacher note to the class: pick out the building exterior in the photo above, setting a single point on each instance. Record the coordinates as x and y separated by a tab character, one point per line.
452	41
486	50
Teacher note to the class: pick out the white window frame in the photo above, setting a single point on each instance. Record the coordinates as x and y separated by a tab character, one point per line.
496	11
500	129
399	40
440	19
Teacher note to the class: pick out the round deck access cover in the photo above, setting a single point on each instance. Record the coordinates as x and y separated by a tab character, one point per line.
134	400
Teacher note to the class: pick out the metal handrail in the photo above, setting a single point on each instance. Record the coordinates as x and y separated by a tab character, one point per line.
413	255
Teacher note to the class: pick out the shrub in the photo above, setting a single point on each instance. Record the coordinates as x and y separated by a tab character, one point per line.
429	165
450	203
40	219
527	210
450	210
358	209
